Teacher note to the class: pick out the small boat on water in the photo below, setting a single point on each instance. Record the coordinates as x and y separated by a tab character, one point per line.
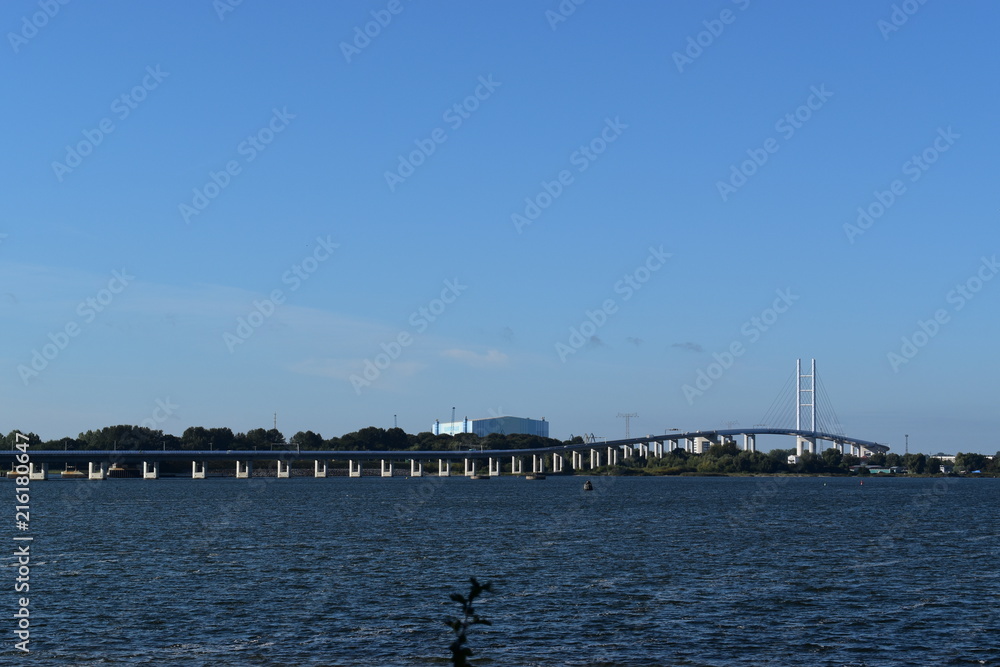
479	477
70	472
534	475
587	486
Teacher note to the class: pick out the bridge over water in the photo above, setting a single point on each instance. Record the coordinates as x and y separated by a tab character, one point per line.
577	457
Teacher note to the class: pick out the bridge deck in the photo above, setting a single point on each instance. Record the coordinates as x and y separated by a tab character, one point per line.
137	456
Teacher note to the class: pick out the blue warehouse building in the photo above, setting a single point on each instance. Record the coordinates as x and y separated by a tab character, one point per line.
483	427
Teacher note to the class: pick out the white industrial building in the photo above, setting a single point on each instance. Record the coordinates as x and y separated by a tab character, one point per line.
483	427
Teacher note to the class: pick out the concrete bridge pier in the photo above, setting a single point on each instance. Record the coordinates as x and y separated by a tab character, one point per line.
320	468
244	469
444	468
284	469
39	471
470	467
516	465
386	468
150	470
577	460
198	469
808	444
628	451
494	467
749	442
98	471
595	459
353	471
612	456
658	449
537	463
416	468
557	463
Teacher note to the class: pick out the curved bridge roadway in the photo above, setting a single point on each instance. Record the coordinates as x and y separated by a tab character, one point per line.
600	453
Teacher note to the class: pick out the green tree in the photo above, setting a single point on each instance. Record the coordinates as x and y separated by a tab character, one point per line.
122	436
307	440
727	448
11	439
809	463
68	444
395	439
221	438
969	461
780	456
370	438
140	437
833	459
256	438
915	463
877	459
196	438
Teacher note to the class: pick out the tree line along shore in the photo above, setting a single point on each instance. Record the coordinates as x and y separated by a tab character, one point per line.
724	458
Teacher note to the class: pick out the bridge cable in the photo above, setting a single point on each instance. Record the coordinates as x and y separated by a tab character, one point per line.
825	397
775	412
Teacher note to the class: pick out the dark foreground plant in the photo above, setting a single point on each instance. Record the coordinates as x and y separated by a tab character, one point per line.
460	624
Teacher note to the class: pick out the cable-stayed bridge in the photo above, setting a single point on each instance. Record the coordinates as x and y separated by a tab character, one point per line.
811	411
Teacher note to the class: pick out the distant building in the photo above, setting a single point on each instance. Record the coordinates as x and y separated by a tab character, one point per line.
880	470
483	427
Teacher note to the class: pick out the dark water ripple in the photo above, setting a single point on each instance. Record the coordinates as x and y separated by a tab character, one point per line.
671	571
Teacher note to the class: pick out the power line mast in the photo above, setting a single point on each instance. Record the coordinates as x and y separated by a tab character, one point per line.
628	417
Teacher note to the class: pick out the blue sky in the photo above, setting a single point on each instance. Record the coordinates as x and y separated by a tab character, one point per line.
710	153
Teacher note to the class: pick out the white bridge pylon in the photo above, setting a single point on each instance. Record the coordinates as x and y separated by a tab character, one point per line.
802	407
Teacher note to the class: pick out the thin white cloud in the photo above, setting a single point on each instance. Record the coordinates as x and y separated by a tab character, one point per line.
468	357
343	369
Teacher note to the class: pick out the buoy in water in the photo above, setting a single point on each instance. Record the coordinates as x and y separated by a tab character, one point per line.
587	486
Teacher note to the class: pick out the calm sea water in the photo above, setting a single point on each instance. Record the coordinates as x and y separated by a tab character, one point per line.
641	571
